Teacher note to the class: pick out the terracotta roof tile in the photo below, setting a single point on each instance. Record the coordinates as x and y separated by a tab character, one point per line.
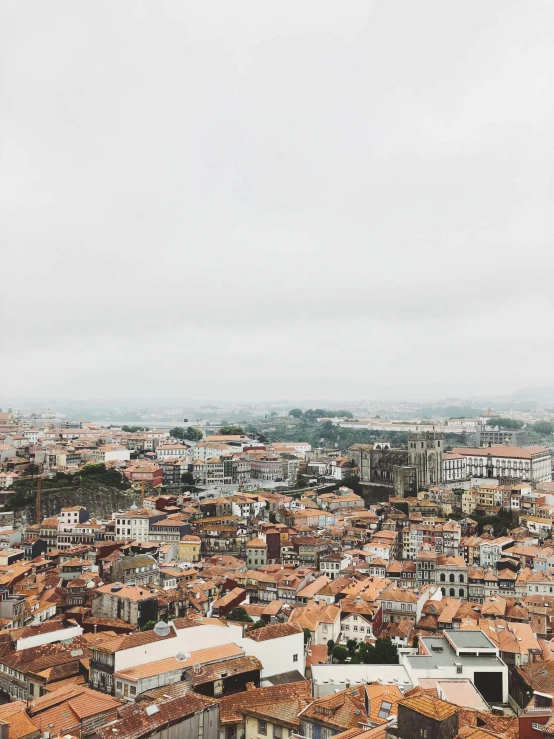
274	631
428	705
231	707
202	656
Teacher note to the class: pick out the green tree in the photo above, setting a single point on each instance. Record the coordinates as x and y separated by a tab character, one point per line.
231	430
259	624
148	626
238	614
296	413
386	652
340	653
543	427
178	432
330	645
187	478
351	645
92	468
193	434
510	424
132	429
307	635
367	654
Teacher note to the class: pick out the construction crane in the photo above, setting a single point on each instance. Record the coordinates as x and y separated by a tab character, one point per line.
39	490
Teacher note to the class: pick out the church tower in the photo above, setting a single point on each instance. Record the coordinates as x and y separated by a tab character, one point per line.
425	454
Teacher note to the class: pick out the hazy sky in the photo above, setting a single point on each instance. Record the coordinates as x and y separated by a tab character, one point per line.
235	199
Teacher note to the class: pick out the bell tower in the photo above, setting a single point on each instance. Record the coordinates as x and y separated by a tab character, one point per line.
425	451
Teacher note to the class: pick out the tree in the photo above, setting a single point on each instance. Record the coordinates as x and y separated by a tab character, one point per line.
231	430
367	654
296	413
178	432
259	624
307	635
193	434
330	645
386	652
509	424
543	427
340	653
352	645
132	429
238	613
187	478
148	626
92	468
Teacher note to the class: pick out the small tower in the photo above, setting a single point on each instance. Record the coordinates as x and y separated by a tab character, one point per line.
425	453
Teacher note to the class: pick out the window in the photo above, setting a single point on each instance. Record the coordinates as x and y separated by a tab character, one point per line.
277	732
295	658
385	709
133	690
119	685
262	727
443	577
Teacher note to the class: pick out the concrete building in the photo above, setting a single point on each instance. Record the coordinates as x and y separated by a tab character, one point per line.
138	569
189	548
256	553
468	654
454	467
531	463
129	603
490	435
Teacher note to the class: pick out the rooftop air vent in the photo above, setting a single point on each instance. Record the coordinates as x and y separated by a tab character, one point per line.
161	629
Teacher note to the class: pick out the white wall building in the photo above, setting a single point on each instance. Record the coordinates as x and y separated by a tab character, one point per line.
525	463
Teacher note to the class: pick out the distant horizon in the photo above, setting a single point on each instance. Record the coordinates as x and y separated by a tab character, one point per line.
518	395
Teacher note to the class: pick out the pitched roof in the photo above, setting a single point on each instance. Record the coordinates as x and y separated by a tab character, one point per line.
135	720
170	664
20	725
502	450
66	707
274	631
342	710
430	706
231	707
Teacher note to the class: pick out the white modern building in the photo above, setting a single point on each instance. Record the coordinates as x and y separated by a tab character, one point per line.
461	654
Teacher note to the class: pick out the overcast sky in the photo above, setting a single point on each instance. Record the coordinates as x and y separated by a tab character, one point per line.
251	199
